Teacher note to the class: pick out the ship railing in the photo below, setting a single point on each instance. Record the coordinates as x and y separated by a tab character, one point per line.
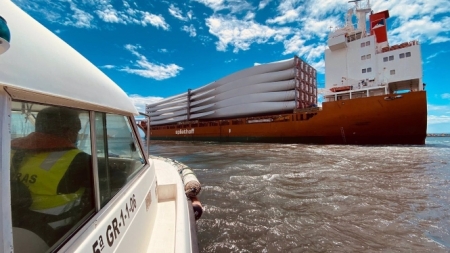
398	46
342	95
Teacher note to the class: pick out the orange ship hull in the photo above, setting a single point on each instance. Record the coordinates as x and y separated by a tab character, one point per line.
386	119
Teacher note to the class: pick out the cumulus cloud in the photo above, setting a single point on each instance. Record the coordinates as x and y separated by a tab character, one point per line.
439	117
108	66
241	34
190	30
78	18
263	4
78	13
144	68
177	13
234	6
423	29
140	101
311	53
154	20
426	21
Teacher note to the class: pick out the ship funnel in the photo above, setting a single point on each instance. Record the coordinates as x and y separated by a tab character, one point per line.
5	36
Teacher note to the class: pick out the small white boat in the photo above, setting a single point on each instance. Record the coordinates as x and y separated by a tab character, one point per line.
74	175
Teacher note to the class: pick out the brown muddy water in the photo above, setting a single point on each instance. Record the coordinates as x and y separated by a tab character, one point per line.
316	198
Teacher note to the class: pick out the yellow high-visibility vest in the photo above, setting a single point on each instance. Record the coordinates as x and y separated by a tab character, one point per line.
42	173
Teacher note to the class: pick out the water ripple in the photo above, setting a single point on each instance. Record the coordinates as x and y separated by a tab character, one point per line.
311	198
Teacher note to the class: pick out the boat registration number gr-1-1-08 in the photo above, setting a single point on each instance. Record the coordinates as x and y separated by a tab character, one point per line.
112	231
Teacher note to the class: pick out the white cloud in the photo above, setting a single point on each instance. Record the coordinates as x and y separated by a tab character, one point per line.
312	53
287	17
154	20
423	29
189	29
140	101
432	56
440	109
241	34
234	6
144	68
445	96
263	4
438	119
190	14
409	9
79	18
108	66
75	13
177	13
109	15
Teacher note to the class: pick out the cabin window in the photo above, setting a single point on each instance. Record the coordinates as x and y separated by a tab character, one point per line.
51	184
363	44
367	43
391	58
369	69
408	54
368	56
118	154
363	57
385	59
392	71
402	55
364	70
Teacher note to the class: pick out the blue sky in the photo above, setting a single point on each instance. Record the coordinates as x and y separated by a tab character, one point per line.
155	49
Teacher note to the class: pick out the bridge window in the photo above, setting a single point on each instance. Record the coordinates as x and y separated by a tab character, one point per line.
391	58
408	54
392	71
385	59
367	43
369	69
402	55
364	70
363	44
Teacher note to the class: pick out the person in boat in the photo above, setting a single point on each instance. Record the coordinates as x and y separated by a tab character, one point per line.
56	175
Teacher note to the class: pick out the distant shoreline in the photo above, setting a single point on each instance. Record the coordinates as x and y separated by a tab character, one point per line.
438	135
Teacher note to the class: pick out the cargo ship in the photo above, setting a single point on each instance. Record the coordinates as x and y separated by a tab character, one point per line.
374	94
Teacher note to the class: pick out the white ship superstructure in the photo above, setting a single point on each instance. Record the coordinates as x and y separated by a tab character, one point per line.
361	63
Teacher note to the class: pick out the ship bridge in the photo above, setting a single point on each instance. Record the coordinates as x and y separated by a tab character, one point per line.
360	63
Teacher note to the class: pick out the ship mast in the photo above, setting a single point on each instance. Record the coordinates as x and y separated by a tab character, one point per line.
361	13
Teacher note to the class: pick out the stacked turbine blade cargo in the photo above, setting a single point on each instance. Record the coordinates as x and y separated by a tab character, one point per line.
260	90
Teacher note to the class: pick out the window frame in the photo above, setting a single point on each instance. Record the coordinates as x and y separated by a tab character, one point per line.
76	232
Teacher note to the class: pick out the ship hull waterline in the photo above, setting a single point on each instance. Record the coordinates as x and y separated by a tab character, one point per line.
377	120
